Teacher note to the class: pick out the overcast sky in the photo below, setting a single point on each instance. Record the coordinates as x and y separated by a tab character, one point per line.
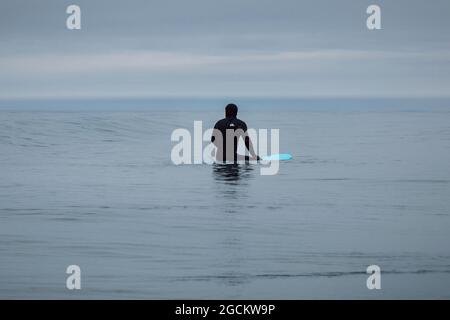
258	48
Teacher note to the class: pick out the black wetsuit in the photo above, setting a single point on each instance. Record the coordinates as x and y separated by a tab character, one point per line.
232	123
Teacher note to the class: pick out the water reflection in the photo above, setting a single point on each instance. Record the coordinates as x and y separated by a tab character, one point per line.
231	185
232	173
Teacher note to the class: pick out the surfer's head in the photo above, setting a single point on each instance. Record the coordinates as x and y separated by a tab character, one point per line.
231	110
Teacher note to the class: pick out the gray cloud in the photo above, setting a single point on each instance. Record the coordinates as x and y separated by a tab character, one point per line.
204	47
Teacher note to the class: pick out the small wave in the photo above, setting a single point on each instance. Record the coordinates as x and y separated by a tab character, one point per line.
325	274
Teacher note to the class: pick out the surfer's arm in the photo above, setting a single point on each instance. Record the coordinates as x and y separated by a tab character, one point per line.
213	135
249	146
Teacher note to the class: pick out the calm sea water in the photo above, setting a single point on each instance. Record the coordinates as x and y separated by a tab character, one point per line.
98	189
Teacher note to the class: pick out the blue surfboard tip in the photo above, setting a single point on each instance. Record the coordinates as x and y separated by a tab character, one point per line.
279	157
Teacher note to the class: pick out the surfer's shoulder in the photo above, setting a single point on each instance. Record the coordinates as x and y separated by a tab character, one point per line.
219	123
241	124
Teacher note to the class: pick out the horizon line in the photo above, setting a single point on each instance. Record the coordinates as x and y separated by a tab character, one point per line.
214	97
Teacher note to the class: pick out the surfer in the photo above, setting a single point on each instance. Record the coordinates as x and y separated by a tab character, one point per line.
226	136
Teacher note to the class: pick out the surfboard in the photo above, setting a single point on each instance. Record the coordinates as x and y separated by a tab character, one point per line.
277	157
